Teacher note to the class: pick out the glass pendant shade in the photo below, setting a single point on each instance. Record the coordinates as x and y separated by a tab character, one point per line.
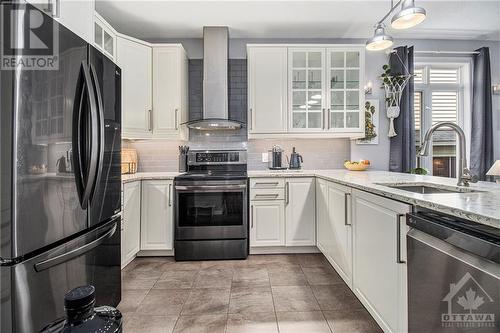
409	16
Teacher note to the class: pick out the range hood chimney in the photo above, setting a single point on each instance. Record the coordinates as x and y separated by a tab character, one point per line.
215	82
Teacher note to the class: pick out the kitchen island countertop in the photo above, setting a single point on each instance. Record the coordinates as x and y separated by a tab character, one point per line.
482	206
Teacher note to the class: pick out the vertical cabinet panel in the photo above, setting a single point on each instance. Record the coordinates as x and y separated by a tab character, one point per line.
339	243
267	223
131	224
379	279
322	228
156	215
267	89
134	60
300	212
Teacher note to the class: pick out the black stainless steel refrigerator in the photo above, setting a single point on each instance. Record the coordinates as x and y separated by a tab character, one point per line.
60	181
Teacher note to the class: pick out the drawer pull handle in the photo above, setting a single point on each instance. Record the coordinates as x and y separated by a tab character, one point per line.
275	195
346	208
268	183
398	239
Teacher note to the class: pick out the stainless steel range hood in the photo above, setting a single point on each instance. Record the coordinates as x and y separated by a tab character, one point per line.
215	82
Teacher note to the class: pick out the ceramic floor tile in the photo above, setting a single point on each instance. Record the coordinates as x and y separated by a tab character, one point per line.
220	264
251	300
273	260
252	323
207	301
163	302
294	298
176	280
335	297
201	324
348	321
181	266
249	277
129	282
214	278
322	276
300	322
131	299
312	260
294	277
139	323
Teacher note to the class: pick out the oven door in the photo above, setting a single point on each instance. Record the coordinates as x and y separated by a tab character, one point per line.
211	210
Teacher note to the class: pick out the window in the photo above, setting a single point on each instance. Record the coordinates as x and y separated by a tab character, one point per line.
439	96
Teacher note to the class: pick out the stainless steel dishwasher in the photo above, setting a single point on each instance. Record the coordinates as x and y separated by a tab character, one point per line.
453	274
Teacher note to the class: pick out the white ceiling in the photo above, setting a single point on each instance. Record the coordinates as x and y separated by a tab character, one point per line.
156	20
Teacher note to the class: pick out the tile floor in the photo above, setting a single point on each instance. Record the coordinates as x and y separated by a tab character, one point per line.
263	294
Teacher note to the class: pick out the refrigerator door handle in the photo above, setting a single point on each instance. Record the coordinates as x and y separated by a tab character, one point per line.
90	141
83	164
100	130
45	264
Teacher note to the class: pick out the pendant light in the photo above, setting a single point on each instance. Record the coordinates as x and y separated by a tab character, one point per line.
380	40
409	15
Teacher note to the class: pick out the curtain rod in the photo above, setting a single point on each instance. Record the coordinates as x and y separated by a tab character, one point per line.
448	52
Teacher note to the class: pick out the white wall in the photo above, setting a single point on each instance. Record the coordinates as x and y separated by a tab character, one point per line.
377	154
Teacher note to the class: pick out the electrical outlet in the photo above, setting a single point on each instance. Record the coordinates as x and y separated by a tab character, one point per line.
265	158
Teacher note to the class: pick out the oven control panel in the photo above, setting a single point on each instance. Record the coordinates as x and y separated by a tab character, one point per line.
216	157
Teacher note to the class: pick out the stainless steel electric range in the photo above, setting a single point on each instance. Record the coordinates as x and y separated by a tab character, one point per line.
211	200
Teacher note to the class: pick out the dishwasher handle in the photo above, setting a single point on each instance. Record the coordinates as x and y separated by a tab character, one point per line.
479	243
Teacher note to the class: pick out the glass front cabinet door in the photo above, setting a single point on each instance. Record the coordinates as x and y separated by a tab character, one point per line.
307	85
326	89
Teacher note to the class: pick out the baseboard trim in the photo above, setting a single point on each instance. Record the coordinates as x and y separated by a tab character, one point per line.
283	249
155	253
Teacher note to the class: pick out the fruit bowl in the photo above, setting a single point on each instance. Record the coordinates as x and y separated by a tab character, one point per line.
356	166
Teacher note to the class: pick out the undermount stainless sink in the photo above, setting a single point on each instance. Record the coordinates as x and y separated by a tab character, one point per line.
428	188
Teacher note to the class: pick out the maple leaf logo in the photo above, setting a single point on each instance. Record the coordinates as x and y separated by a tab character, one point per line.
470	301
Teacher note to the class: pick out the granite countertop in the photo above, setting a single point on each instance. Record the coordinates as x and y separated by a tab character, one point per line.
148	175
482	206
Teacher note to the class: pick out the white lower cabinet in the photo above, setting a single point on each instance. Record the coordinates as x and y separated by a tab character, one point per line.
379	268
157	215
300	218
282	213
267	223
131	222
334	226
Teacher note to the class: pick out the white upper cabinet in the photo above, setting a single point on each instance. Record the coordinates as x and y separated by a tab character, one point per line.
324	94
104	37
134	59
306	86
345	73
170	91
267	89
76	15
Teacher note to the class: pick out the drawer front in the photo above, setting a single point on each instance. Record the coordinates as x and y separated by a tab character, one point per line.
267	194
267	183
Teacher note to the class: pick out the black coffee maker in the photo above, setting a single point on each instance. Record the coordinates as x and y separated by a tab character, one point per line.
295	160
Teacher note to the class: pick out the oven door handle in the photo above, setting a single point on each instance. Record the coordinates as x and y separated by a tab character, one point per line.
209	187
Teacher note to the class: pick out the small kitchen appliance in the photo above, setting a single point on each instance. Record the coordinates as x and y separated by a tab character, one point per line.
275	160
295	160
211	206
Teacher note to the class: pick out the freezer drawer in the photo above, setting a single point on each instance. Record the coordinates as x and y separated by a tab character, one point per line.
38	285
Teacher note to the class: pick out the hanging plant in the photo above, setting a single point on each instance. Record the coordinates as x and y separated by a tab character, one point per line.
393	84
